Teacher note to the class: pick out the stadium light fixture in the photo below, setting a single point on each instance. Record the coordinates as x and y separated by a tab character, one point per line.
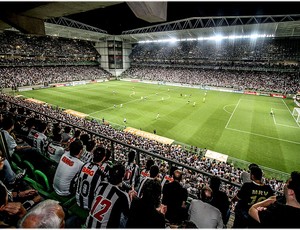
212	38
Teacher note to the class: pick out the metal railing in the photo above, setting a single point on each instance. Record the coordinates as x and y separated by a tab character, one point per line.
114	143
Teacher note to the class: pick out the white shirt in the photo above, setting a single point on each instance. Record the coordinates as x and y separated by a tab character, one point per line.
66	170
55	151
204	215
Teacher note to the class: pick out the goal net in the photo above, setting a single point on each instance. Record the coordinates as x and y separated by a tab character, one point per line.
296	114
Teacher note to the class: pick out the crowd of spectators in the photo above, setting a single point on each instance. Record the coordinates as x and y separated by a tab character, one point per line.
268	49
31	76
239	80
192	180
271	63
79	145
19	49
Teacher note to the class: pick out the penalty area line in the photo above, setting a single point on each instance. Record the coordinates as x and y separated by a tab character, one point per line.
232	113
260	135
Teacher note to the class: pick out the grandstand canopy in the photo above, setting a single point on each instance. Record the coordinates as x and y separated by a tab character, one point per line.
96	20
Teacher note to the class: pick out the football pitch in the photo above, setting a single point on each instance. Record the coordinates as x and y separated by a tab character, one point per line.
238	125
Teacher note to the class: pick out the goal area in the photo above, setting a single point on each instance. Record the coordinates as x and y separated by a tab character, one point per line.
296	114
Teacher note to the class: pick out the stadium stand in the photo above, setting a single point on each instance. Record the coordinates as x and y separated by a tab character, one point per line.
197	169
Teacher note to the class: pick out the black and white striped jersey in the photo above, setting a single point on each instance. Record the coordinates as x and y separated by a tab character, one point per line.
132	174
141	185
88	180
166	179
108	205
87	157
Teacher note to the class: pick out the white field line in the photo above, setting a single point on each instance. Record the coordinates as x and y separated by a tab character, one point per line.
233	113
224	108
290	112
289	126
256	134
138	99
274	117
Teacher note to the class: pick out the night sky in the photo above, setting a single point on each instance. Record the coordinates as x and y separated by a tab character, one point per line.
118	18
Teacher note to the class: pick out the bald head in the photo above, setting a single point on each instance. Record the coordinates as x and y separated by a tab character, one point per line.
32	221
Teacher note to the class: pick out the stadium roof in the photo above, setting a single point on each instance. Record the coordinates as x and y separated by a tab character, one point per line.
184	20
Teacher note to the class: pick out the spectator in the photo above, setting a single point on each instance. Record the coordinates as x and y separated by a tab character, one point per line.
8	126
245	176
75	137
20	191
220	199
272	214
167	178
55	149
89	178
145	172
87	156
40	140
154	174
115	201
131	176
175	197
46	214
66	173
10	212
249	194
202	213
66	134
143	211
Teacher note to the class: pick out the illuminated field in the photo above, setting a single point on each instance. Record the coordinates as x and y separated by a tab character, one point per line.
234	124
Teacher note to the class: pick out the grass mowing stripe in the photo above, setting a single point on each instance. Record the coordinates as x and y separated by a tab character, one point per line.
220	124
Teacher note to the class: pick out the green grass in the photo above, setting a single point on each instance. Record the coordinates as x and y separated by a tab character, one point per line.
234	124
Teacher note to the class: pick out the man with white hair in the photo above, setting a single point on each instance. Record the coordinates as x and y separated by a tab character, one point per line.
46	214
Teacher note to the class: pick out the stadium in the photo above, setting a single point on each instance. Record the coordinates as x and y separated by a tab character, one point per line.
208	95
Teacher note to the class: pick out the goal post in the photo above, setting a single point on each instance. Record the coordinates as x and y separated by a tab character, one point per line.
296	113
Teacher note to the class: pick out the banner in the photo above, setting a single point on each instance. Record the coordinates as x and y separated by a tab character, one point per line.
250	92
150	136
35	101
277	95
24	89
217	156
75	113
